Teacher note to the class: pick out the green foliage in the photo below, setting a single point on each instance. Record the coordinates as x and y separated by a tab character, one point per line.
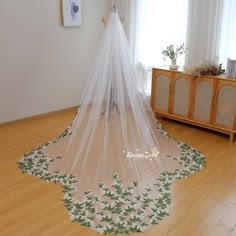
173	52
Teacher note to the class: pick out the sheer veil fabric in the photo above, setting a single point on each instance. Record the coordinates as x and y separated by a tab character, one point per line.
115	161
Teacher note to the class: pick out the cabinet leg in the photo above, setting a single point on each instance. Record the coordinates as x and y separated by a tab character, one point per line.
231	138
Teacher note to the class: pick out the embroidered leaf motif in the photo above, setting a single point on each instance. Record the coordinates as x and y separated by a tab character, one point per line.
117	209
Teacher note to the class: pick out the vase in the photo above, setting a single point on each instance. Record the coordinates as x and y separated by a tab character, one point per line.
173	65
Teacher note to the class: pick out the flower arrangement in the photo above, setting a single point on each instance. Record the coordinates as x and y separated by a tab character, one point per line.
173	52
206	69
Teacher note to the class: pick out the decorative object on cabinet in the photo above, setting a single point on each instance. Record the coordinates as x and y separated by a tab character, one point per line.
231	68
206	101
172	53
205	69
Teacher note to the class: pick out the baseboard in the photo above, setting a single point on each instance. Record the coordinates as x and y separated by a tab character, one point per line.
38	116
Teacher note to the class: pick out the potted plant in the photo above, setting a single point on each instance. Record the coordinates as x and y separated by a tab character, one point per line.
173	52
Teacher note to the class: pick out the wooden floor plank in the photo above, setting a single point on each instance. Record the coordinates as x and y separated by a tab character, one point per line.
33	207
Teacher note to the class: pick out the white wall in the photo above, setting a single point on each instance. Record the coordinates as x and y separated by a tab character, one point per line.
44	66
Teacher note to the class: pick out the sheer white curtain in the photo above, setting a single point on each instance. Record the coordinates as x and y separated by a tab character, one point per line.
159	23
154	24
211	31
208	27
204	31
228	32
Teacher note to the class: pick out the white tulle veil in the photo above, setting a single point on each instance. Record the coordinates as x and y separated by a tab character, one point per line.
115	161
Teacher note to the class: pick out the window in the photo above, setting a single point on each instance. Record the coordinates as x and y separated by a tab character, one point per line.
208	27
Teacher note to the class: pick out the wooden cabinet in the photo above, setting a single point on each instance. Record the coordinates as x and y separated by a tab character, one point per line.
207	101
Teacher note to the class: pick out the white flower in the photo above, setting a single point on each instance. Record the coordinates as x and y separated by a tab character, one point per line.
72	217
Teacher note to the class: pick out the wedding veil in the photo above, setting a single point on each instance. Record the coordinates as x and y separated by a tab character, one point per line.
115	161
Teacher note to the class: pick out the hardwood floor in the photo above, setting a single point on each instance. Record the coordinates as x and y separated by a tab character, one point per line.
202	205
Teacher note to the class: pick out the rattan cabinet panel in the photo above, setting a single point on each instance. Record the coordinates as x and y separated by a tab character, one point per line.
208	101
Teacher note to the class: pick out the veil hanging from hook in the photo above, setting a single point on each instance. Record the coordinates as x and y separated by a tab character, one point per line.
115	161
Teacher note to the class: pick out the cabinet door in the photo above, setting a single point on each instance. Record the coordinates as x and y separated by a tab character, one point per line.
161	90
203	99
181	94
226	104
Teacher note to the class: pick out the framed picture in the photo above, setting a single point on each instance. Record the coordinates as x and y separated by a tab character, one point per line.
71	13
